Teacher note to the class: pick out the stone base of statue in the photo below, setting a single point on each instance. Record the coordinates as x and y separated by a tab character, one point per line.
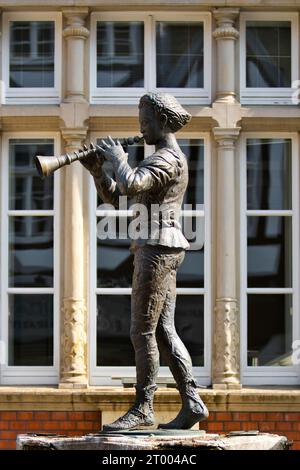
155	440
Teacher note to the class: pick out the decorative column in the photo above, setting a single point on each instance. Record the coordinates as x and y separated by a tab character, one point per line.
75	35
225	35
73	311
226	348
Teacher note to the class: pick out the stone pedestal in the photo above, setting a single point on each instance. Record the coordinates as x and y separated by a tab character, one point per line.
157	440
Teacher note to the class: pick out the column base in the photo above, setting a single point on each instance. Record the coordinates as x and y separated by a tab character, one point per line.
224	97
70	385
75	99
227	386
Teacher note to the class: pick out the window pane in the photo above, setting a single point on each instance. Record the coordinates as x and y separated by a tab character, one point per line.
268	54
179	55
114	260
270	320
31	54
27	191
31	252
269	251
191	272
120	54
114	347
269	174
30	330
194	151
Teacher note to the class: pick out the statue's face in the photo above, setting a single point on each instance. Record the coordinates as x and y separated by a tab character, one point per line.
151	126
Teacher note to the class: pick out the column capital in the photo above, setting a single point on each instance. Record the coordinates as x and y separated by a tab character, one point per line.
226	137
73	136
75	18
225	18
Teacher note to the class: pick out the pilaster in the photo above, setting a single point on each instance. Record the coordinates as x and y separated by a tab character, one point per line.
73	372
75	34
226	333
225	34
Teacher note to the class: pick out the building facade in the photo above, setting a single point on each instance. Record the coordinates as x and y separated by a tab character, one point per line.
72	73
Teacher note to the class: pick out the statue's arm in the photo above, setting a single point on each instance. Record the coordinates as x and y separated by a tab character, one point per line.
154	172
107	188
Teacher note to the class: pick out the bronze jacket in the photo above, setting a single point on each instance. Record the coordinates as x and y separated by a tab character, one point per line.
158	183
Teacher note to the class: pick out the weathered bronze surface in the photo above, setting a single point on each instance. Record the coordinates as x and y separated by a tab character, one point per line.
47	165
160	179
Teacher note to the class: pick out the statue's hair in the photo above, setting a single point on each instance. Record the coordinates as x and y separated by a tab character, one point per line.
163	103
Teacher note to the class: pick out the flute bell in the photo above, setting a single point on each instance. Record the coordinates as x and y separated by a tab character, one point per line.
46	165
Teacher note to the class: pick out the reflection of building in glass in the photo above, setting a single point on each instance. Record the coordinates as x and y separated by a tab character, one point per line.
120	56
32	54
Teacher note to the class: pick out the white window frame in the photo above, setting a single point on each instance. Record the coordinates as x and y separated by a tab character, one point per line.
114	375
269	375
131	95
47	95
28	375
271	95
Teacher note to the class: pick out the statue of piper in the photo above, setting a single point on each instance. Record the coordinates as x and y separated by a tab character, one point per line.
160	179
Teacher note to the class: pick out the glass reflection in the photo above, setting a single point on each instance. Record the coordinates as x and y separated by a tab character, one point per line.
31	54
193	149
114	347
179	55
268	54
31	252
269	174
30	330
27	191
120	54
269	251
270	321
114	260
191	272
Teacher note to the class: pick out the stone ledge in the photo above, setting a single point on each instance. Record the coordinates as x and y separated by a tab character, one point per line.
117	398
140	440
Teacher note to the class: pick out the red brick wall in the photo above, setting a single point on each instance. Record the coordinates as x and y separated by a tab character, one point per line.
287	424
72	423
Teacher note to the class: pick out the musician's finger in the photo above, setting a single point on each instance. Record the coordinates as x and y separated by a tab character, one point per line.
100	149
118	142
105	144
112	142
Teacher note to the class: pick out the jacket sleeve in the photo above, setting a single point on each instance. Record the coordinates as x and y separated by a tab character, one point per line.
107	189
154	172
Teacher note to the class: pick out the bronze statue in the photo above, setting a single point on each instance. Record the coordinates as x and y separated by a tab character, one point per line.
160	179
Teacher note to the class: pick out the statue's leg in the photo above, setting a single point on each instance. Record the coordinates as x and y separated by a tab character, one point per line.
178	359
149	287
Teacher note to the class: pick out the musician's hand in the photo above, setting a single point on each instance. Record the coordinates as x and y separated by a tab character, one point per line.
93	163
111	150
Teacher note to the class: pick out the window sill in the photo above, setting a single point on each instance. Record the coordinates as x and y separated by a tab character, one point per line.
117	99
267	399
